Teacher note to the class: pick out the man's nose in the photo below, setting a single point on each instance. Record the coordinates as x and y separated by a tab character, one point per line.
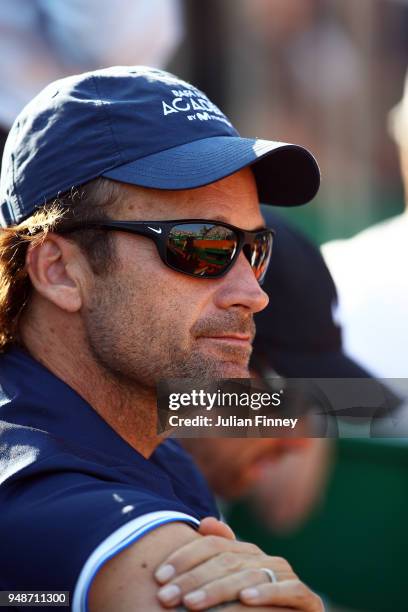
241	288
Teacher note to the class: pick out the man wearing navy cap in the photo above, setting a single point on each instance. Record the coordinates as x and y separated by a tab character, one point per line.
132	249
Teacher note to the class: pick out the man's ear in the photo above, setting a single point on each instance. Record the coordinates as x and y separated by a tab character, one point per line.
56	268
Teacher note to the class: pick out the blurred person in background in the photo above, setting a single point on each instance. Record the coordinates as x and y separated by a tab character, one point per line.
298	336
370	274
44	40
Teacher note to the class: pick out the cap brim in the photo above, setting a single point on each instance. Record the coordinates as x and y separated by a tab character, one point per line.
286	174
328	364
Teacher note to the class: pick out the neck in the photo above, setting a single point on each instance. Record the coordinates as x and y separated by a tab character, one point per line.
129	409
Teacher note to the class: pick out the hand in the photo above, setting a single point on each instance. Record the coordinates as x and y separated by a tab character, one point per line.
217	568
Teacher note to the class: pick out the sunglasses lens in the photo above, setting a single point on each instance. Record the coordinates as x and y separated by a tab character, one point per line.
201	249
261	254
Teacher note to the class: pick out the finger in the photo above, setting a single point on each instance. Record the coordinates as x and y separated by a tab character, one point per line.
223	589
289	593
212	526
226	566
199	551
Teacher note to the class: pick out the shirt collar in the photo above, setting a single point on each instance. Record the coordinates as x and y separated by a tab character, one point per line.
31	395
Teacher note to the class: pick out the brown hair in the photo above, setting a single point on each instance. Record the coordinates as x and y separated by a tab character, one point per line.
90	201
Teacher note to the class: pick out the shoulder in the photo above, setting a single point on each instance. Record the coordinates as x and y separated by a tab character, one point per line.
126	580
63	505
63	517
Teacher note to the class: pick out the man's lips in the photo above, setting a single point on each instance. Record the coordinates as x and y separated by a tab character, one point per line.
231	338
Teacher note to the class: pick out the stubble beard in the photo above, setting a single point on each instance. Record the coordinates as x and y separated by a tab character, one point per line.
132	356
200	365
130	367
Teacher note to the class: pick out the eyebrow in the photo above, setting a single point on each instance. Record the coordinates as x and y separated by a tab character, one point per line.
220	218
225	220
217	217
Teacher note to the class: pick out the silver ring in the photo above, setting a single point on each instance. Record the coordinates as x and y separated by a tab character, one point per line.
270	573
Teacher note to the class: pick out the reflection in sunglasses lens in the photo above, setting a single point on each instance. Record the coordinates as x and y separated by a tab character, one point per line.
262	250
201	249
206	249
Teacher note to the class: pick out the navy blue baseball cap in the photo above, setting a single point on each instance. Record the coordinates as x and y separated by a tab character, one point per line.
142	126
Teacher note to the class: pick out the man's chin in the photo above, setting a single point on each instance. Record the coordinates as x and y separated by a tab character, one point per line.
217	369
234	370
207	365
232	363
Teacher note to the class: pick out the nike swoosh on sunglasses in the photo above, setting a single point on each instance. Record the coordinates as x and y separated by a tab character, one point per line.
197	247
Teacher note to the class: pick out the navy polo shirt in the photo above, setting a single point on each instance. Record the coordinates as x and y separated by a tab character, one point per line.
73	493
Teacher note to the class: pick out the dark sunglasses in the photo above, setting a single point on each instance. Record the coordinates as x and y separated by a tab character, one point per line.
197	247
